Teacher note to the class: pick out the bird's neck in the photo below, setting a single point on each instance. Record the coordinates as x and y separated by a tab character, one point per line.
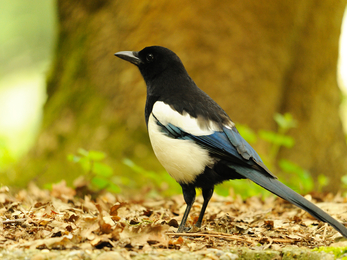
151	99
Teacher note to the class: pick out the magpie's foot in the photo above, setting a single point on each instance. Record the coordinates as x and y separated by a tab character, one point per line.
183	230
195	229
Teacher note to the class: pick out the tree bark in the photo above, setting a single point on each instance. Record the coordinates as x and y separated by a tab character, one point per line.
255	58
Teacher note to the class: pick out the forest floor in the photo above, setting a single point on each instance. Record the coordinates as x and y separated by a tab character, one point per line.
66	224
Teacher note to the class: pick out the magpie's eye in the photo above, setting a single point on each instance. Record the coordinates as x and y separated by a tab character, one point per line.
149	57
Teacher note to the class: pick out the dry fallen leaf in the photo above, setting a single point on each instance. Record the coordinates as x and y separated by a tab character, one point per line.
35	218
60	190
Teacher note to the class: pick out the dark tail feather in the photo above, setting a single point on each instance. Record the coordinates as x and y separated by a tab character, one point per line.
281	190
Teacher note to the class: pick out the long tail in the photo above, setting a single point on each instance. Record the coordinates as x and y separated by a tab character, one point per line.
281	190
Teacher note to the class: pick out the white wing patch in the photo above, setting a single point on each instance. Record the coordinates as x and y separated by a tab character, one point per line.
165	114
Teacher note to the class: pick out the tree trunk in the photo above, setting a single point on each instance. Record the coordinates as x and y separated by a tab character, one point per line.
255	58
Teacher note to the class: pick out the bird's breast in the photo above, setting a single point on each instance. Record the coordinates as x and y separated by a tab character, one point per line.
184	160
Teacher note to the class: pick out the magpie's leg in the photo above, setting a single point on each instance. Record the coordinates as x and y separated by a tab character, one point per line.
207	194
189	197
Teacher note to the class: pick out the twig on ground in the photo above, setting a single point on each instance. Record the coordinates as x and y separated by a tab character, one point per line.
13	221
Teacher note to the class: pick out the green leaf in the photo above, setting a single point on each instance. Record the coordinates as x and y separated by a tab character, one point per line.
135	167
288	166
86	164
322	180
247	188
96	155
275	138
223	189
73	158
285	121
113	188
296	175
101	183
83	152
128	162
47	186
344	179
102	169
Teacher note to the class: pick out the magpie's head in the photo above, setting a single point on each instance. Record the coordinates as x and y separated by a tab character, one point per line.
153	61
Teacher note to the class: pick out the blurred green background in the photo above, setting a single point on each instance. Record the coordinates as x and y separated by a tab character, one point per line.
27	43
27	37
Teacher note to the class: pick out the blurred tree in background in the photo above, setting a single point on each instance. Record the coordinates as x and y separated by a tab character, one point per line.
255	58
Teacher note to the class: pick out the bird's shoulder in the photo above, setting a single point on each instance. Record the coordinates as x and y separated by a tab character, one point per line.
196	103
195	121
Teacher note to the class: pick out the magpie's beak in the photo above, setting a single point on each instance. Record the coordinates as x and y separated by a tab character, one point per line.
131	56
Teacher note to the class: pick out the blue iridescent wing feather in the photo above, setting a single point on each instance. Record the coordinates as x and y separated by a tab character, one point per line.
227	145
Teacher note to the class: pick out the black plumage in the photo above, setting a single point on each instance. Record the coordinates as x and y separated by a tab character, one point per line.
196	141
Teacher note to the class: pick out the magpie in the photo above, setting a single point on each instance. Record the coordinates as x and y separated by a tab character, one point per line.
196	141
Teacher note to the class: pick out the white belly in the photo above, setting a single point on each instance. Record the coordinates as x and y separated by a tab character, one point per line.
182	159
